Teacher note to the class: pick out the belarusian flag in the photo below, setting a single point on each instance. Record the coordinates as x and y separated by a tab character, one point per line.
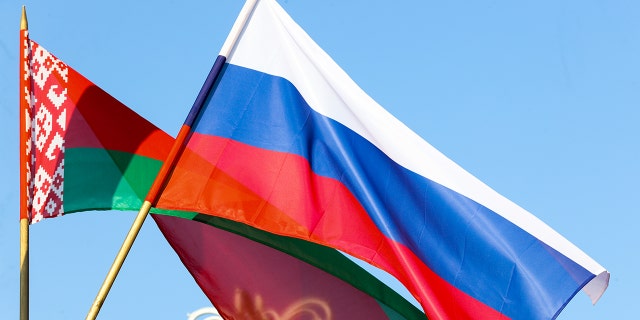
81	149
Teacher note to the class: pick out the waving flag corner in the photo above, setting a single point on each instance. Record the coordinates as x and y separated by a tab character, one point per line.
597	286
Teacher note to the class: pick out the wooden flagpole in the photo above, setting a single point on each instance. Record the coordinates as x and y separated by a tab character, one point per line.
24	269
119	260
24	217
169	163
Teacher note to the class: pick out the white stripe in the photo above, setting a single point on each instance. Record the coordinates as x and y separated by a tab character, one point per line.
274	44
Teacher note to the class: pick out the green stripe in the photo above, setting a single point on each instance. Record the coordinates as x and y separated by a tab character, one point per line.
393	314
325	258
100	179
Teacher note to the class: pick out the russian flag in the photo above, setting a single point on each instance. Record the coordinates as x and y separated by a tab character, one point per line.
285	142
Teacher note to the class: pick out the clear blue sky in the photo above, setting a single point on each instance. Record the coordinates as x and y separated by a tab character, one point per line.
539	99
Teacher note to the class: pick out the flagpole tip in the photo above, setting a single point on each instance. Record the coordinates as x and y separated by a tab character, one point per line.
24	25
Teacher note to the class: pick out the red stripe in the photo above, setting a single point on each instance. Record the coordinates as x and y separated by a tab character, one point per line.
113	125
177	148
263	189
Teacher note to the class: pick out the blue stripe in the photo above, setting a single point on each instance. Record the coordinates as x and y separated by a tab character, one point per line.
205	90
468	245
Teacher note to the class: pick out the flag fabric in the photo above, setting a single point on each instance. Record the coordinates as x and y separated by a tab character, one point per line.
251	274
81	149
285	142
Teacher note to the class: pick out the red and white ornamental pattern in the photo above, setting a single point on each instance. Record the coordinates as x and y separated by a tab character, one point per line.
46	123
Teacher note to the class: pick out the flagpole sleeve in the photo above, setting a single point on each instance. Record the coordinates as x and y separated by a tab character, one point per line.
24	217
185	130
24	106
119	261
237	28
